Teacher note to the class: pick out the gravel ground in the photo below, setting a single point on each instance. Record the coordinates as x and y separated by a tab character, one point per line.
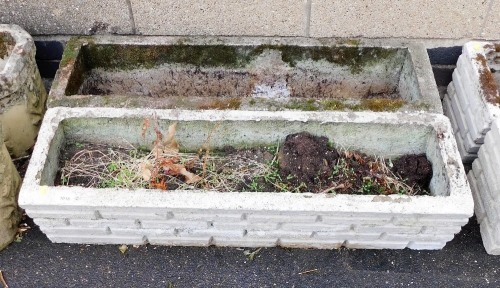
35	262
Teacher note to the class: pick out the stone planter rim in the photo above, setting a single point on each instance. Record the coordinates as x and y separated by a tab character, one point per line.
11	76
458	202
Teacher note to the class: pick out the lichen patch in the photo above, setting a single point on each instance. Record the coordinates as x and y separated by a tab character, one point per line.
488	83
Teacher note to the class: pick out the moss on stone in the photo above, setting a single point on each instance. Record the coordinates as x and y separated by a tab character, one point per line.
355	58
376	105
332	104
5	41
222	104
72	49
303	105
147	56
379	105
128	57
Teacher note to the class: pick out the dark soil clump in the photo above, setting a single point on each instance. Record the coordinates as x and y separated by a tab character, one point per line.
415	169
307	158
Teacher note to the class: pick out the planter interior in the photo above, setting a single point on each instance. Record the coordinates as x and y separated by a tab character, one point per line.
387	141
242	76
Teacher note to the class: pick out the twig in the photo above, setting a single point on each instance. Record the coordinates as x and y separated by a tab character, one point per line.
308	271
2	280
21	158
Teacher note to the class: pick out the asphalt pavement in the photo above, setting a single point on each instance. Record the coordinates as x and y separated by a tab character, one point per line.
36	262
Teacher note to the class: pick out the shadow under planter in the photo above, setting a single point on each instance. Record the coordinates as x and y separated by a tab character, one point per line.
243	74
251	219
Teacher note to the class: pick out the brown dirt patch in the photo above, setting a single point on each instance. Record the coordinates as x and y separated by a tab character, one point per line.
303	163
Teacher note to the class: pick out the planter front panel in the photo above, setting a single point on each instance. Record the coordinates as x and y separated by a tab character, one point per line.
243	73
253	219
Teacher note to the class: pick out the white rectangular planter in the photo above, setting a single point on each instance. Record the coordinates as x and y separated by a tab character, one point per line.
472	103
243	73
485	184
201	218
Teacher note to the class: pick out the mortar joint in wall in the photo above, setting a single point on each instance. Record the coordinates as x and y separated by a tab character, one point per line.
138	224
97	215
393	220
352	228
211	241
278	242
170	215
382	236
423	230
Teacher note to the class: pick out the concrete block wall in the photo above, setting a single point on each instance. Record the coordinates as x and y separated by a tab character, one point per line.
309	18
484	179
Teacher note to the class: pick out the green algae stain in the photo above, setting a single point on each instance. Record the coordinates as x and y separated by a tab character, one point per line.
376	105
128	57
5	41
380	105
356	58
148	56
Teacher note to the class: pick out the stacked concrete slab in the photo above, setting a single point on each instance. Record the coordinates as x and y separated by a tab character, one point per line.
485	184
472	99
473	106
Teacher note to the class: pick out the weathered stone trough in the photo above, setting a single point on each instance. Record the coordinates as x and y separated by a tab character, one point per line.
473	99
202	218
245	74
22	94
22	104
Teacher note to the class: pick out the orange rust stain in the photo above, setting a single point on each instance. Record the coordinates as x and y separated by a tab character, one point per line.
488	83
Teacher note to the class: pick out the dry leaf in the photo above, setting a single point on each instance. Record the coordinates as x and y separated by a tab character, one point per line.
145	171
190	177
170	142
123	249
162	185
